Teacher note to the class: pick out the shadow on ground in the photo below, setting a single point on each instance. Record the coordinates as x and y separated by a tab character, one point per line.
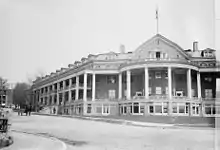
65	140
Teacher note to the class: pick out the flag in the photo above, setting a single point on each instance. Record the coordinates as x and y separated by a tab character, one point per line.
157	13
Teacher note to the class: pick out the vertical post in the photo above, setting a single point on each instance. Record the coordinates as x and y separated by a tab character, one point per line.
120	86
64	84
70	96
170	82
146	83
70	92
85	87
170	90
198	84
189	89
77	88
52	97
93	86
70	82
189	83
128	84
58	86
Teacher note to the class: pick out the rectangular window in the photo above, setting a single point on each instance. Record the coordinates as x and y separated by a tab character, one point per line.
166	75
106	109
158	108
151	109
195	109
125	109
158	75
158	90
158	55
182	108
89	108
136	108
174	108
111	94
142	107
165	108
208	93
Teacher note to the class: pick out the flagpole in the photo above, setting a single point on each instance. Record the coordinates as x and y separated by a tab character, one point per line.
157	20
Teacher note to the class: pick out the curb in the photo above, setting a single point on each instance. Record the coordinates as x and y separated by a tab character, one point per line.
64	147
135	123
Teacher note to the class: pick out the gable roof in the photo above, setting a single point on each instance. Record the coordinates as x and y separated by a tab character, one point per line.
169	42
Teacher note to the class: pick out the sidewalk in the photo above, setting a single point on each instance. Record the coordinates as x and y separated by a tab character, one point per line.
131	122
27	141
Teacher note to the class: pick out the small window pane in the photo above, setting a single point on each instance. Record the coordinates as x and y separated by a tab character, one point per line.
158	90
158	75
151	109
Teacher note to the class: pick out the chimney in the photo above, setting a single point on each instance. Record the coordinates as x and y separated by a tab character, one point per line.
195	46
122	49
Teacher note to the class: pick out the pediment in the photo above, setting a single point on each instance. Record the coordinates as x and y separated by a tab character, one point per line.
164	46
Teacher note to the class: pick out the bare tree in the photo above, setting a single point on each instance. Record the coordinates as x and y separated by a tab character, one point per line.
3	84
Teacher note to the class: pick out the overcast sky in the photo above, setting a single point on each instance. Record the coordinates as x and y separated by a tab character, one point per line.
45	35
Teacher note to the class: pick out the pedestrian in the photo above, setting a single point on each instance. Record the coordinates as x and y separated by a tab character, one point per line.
19	112
26	110
54	110
29	110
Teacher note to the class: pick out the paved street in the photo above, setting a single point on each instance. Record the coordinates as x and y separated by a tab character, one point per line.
92	135
31	142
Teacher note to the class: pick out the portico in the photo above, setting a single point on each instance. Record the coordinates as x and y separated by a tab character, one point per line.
158	78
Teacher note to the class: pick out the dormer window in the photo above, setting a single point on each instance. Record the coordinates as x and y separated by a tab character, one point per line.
158	55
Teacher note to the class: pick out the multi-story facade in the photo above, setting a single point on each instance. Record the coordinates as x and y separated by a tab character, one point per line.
6	97
158	78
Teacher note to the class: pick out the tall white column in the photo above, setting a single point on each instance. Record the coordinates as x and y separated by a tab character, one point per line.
93	86
58	86
170	82
85	87
170	109
128	84
70	96
77	88
70	92
52	99
120	86
64	84
198	84
70	82
146	82
189	83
